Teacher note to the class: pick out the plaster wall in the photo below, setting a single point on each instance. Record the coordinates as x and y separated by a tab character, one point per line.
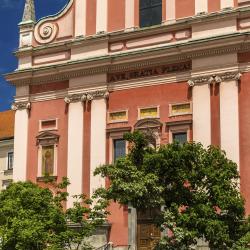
201	6
80	17
202	114
46	110
21	145
170	9
101	16
215	28
90	50
229	121
98	142
5	148
244	137
87	81
75	151
129	14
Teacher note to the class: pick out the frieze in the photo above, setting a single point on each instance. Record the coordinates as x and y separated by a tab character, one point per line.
20	106
153	71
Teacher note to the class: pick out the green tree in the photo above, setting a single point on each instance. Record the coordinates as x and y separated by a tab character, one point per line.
196	188
33	218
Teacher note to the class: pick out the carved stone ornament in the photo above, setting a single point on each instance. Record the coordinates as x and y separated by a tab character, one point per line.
74	98
20	106
47	138
89	96
228	76
45	32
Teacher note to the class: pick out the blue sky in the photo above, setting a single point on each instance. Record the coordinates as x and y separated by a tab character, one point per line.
10	15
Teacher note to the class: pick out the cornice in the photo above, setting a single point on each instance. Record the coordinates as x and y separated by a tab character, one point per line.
184	51
137	32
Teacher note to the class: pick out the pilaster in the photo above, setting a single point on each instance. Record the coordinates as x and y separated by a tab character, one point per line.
21	140
75	146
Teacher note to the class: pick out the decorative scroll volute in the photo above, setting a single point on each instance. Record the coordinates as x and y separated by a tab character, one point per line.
46	32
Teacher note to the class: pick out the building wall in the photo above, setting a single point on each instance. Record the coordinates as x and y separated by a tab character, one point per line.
6	176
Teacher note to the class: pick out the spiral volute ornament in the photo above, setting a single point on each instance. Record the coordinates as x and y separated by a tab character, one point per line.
45	32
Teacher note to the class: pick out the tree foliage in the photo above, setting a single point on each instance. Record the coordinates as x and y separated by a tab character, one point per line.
197	189
33	218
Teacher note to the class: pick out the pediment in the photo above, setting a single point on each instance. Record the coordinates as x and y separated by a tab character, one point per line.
148	123
47	138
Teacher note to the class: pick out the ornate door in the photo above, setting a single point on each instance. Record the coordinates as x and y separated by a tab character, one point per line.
148	235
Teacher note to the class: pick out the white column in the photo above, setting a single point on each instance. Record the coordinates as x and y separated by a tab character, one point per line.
75	150
229	119
226	3
201	6
170	10
101	15
20	145
80	17
98	142
129	14
202	114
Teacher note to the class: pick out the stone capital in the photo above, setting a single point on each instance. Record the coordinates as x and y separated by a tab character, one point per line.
21	106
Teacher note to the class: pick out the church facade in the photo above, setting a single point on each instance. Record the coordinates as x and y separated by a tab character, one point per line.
100	68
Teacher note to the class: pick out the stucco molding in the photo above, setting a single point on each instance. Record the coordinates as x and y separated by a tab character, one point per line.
86	97
21	106
209	79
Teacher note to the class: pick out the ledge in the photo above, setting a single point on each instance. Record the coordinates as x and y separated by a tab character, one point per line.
8	172
46	178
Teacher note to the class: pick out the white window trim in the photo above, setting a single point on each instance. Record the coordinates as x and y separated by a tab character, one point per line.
7	160
115	136
110	121
179	129
179	114
40	174
148	107
48	129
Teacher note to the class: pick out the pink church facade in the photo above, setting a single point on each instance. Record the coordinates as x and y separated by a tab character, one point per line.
101	68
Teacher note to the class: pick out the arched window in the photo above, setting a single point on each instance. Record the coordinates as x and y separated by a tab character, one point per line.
150	12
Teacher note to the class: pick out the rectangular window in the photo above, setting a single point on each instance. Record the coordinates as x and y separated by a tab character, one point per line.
48	159
149	113
10	160
119	148
46	125
150	12
180	109
180	137
118	116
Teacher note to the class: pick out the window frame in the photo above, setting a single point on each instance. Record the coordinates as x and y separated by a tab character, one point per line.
7	162
48	129
147	117
183	113
110	121
180	128
150	8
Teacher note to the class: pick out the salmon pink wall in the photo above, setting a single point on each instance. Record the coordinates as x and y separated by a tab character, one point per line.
116	15
161	95
91	17
215	114
244	120
213	5
119	221
185	8
42	111
86	148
